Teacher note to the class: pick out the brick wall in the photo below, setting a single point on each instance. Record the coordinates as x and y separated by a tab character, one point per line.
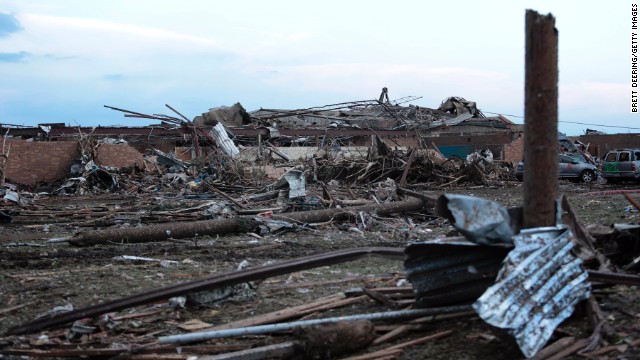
33	162
119	155
514	151
600	144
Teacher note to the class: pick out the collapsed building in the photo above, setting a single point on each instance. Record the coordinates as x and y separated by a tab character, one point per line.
456	128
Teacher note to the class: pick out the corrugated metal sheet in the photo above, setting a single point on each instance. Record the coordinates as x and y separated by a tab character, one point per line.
538	287
219	133
450	122
446	271
295	180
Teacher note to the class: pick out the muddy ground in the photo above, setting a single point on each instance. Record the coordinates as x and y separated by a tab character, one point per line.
36	276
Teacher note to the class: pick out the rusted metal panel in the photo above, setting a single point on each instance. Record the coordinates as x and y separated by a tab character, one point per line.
537	289
452	270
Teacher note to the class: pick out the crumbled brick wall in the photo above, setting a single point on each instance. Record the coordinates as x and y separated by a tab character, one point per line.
600	144
33	162
514	151
119	155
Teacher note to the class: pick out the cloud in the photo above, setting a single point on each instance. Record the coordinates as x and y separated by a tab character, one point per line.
366	79
18	57
8	25
599	97
86	24
58	58
108	44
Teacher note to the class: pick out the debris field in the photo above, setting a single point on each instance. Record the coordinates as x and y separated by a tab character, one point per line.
343	231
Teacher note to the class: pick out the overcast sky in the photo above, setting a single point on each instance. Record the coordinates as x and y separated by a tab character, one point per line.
61	61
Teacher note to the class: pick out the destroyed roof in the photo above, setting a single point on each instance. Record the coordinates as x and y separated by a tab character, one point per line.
376	114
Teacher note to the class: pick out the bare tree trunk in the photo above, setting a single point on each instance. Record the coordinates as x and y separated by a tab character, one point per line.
160	232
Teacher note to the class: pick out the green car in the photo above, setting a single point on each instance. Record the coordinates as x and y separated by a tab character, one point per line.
621	164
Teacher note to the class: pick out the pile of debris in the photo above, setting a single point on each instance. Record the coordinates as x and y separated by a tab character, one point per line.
483	265
497	272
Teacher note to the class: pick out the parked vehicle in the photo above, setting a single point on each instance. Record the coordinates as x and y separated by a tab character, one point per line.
621	164
572	167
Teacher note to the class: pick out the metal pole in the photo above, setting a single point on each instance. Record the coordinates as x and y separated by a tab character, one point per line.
265	329
541	120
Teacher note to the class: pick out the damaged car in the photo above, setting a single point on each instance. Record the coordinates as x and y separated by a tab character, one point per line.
621	165
570	167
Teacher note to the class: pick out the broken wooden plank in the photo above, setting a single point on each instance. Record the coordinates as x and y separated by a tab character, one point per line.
327	303
554	348
405	172
217	281
224	195
391	335
16	307
276	351
397	349
632	200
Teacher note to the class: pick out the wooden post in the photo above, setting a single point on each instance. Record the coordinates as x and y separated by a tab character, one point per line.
541	120
4	159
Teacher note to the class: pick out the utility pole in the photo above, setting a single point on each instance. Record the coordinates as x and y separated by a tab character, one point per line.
541	120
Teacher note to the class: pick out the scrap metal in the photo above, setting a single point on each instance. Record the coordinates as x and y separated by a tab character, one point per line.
294	179
539	284
537	289
266	329
479	220
219	133
452	270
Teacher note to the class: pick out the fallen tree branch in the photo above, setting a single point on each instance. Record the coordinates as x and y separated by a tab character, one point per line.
239	224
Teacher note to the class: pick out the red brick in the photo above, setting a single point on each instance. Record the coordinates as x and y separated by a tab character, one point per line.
47	161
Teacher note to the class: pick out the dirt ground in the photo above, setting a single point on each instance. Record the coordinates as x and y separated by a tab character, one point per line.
37	275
